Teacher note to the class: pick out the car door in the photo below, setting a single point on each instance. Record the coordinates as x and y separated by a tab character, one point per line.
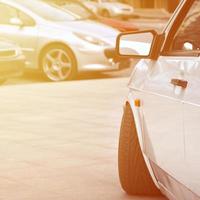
183	53
163	114
17	26
187	42
192	126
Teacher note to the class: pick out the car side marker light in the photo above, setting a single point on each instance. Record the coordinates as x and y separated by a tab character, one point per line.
137	103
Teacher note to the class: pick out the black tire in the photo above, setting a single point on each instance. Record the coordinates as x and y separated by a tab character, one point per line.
67	58
105	13
134	176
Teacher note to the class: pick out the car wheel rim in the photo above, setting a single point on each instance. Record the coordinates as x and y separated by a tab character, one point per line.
57	65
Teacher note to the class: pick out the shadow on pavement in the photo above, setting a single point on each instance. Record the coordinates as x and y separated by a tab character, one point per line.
31	77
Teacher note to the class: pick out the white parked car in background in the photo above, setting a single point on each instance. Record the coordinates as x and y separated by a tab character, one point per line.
57	43
159	147
109	8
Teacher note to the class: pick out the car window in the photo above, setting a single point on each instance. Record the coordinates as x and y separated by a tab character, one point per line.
27	21
47	11
78	10
75	8
6	14
187	37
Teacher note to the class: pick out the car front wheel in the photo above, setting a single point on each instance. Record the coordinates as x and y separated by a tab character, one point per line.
105	13
134	176
58	63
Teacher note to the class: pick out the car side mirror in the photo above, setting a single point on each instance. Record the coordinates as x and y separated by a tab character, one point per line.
140	44
16	22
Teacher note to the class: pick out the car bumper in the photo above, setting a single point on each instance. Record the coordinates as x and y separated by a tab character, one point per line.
95	60
12	67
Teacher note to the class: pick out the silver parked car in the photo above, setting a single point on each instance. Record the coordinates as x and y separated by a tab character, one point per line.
109	8
58	43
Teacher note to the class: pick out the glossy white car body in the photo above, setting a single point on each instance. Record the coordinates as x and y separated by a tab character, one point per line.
167	121
113	8
33	39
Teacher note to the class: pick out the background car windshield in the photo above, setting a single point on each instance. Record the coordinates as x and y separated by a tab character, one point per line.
80	11
47	11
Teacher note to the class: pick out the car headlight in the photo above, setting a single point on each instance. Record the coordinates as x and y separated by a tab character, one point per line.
116	9
91	39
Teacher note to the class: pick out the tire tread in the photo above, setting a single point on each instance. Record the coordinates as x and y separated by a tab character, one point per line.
134	176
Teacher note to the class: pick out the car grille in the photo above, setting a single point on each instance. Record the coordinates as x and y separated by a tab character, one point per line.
7	53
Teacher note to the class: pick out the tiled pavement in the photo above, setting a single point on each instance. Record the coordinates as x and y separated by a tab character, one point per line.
59	141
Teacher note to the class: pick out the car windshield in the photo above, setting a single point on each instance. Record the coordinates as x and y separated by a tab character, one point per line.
47	11
75	8
187	37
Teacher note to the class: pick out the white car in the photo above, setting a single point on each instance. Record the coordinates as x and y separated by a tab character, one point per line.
109	8
159	147
57	43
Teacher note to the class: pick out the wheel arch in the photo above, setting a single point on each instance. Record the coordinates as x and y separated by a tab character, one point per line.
49	44
139	124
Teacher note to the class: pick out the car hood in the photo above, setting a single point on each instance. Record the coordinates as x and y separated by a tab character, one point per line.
89	27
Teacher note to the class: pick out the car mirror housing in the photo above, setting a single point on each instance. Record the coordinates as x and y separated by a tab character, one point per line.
139	44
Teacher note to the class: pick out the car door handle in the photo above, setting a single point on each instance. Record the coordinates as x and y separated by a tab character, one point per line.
179	82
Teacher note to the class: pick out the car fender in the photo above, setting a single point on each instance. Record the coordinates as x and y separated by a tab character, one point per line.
140	124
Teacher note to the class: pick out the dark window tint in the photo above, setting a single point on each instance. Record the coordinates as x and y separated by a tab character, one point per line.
188	35
27	21
7	13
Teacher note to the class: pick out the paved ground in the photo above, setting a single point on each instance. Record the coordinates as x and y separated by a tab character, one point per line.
59	141
30	77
